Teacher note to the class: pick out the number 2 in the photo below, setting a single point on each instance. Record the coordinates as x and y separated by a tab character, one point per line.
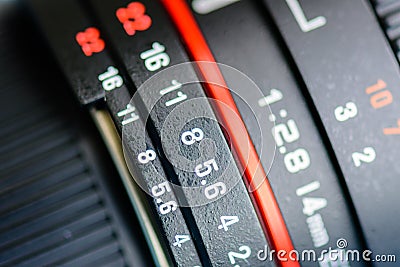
246	253
367	156
289	133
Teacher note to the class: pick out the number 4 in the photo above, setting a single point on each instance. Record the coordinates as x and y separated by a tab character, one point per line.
226	221
180	239
312	204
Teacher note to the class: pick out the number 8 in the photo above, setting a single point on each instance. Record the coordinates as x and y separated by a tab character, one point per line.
146	157
190	137
297	160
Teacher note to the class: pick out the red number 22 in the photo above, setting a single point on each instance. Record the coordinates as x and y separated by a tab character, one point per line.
90	41
133	18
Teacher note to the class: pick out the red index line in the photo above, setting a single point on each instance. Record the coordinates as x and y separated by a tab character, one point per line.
243	147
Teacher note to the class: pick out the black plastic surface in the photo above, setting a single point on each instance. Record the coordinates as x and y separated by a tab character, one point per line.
151	177
62	202
100	74
353	77
256	52
61	29
207	218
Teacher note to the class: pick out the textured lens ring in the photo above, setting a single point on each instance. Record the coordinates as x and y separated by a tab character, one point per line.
185	74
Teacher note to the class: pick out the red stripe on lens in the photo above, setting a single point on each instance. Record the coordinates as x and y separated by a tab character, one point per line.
243	147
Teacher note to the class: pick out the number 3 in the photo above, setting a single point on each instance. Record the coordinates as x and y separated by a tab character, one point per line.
347	112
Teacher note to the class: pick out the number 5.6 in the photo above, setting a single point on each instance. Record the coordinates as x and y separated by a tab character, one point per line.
205	169
159	190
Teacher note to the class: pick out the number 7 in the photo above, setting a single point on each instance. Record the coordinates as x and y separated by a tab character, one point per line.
392	131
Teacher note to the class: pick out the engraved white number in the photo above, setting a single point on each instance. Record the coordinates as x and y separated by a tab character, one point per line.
289	133
146	157
214	190
346	112
159	190
130	111
312	204
274	96
180	239
297	160
205	169
192	136
227	221
110	79
246	252
155	58
175	85
367	156
168	207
